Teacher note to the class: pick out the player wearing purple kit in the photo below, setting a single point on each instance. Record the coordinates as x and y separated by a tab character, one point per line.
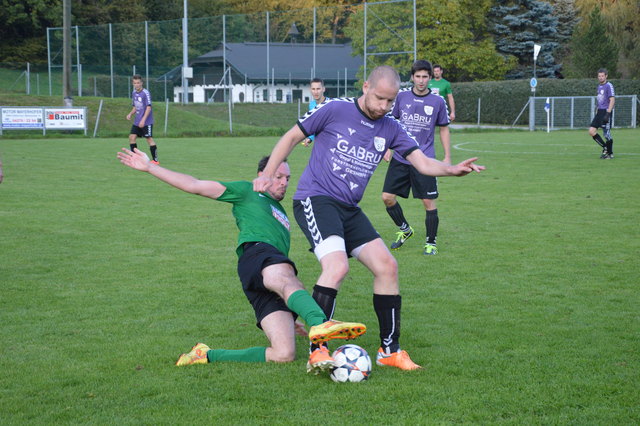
606	98
420	110
352	135
143	123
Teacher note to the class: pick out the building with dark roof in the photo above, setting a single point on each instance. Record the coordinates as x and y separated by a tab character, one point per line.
274	72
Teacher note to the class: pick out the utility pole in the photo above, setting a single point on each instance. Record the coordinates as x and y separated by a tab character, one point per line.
66	53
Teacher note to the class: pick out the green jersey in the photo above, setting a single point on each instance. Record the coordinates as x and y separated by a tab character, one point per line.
440	87
258	216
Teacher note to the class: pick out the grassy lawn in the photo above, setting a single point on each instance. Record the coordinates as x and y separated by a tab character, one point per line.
528	315
181	120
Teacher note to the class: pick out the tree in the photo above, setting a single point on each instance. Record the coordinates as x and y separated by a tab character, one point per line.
568	18
519	24
23	28
449	33
593	48
622	21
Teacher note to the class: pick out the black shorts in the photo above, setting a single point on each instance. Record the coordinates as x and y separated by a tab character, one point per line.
598	120
255	258
320	217
142	132
402	177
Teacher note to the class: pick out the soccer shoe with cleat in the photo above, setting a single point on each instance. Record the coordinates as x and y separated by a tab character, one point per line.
430	249
398	359
401	237
197	355
320	360
333	329
604	154
155	162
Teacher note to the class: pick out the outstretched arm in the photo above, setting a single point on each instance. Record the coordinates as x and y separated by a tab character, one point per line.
138	160
281	151
432	167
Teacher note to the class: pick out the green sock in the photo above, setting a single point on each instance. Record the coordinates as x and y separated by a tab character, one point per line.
256	354
303	304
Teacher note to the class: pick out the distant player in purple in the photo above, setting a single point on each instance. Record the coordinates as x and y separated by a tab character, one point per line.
606	101
420	110
143	123
351	137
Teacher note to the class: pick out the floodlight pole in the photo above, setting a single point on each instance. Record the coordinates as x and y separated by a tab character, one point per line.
185	55
66	53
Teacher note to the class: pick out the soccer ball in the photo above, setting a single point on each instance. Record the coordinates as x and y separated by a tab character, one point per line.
352	364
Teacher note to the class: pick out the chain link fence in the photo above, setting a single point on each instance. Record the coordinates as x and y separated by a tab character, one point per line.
105	56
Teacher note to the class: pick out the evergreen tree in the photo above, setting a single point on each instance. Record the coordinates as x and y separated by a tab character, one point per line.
568	18
593	49
519	24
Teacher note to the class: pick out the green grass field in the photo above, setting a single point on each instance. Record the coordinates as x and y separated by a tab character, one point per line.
193	120
528	315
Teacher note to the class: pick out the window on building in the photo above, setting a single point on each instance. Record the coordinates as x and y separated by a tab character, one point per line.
279	95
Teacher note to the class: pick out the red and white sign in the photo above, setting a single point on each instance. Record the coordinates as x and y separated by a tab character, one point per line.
65	118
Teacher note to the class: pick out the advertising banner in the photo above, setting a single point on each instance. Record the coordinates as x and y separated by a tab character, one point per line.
21	118
65	118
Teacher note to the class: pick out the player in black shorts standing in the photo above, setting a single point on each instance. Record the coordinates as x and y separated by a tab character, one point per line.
143	123
420	110
606	99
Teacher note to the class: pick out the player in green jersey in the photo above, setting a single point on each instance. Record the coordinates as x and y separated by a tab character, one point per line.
442	87
268	276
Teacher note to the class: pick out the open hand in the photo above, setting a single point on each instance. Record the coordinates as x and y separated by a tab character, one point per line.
135	159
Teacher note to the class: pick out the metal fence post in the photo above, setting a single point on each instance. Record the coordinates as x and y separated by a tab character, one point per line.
49	59
111	57
532	113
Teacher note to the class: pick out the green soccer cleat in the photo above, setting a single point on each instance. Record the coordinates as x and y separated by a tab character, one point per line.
430	249
197	355
333	329
401	237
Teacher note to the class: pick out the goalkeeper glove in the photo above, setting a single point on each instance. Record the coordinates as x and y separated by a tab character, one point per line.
607	116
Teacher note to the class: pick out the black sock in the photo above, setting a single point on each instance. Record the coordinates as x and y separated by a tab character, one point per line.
388	311
431	222
154	154
599	140
133	145
325	297
610	146
397	216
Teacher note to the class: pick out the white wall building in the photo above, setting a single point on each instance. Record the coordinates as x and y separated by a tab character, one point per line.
277	72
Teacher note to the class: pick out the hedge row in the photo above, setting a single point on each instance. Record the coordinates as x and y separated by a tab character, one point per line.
502	101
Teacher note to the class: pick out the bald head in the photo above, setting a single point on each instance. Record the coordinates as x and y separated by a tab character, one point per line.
379	92
386	73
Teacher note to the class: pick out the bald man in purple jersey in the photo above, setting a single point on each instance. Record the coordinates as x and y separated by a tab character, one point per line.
352	136
606	98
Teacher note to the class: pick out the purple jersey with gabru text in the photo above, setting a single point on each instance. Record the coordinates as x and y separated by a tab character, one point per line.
605	91
347	149
420	114
141	100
